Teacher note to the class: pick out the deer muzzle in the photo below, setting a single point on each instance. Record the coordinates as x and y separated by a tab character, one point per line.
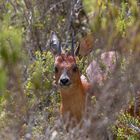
64	79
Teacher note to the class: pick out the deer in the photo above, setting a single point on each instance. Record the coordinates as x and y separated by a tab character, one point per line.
73	89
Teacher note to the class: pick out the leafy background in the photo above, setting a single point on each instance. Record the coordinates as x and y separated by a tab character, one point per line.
29	99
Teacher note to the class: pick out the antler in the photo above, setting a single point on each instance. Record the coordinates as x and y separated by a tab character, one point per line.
72	45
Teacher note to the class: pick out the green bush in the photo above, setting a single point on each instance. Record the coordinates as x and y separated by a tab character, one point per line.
127	127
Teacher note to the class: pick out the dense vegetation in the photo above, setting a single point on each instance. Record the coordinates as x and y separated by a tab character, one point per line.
29	99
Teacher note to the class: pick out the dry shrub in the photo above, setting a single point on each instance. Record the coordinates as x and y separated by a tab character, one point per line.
33	112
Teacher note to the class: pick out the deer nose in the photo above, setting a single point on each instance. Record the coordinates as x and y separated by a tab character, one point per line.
64	81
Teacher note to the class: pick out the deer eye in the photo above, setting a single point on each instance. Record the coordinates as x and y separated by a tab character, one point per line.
75	68
56	69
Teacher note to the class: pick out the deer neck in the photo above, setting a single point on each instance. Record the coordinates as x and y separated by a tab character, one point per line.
73	101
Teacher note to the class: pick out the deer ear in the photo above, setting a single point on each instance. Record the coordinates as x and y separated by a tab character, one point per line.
55	44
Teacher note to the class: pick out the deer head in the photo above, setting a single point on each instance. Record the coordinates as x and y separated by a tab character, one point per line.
65	67
72	88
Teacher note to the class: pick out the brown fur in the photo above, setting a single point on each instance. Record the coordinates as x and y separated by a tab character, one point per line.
73	98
